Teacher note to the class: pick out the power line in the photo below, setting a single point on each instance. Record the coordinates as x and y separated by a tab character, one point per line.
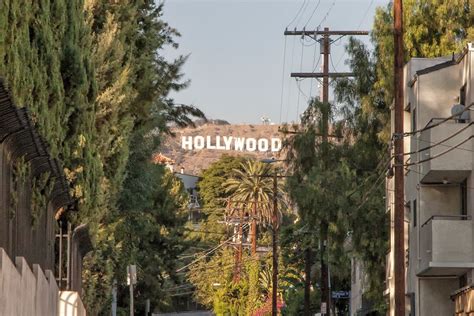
314	68
304	10
298	84
283	81
440	143
289	86
358	27
297	14
299	93
209	252
312	13
365	14
327	14
425	174
467	108
368	193
332	64
439	154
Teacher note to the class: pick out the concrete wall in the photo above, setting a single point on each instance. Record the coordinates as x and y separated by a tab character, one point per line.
434	297
453	165
444	241
24	291
439	200
436	91
32	292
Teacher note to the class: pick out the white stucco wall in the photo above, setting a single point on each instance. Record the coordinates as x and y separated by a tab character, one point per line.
31	292
24	291
431	96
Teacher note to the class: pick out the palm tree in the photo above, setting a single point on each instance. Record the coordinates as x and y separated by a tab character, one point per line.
251	186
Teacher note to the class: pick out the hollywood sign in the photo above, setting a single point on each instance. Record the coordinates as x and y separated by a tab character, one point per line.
230	143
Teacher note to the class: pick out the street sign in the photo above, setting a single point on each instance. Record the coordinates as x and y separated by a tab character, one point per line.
341	294
323	308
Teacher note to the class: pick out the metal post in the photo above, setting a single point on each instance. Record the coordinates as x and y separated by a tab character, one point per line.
68	266
399	216
60	265
131	300
275	246
147	307
114	298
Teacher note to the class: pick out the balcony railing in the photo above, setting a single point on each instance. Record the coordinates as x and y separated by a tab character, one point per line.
446	246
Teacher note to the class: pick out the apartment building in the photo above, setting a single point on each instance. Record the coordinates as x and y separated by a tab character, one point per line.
439	187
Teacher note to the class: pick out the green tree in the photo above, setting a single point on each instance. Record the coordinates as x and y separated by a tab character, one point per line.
251	188
213	198
320	177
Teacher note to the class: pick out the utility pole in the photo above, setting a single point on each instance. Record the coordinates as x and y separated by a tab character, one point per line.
325	45
239	250
325	286
399	216
275	245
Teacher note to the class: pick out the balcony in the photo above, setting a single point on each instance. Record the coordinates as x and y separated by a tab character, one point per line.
446	246
452	159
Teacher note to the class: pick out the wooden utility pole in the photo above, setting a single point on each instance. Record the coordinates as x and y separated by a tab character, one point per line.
239	249
275	245
326	43
399	216
253	229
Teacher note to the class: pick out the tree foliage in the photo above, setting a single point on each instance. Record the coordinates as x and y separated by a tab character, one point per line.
96	84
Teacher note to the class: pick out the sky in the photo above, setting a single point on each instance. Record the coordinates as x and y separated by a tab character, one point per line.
239	61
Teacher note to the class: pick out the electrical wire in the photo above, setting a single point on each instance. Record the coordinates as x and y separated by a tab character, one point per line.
365	14
440	143
289	86
313	66
425	174
312	13
304	10
332	64
327	14
209	252
439	154
297	14
283	81
358	27
368	193
444	145
299	88
467	108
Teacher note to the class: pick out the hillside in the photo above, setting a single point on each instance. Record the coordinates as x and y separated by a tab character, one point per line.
193	161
